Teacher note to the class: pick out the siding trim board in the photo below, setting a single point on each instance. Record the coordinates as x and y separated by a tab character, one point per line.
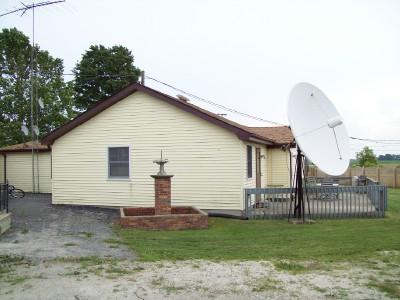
100	106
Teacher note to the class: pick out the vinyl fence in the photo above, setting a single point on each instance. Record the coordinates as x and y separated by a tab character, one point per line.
323	202
388	175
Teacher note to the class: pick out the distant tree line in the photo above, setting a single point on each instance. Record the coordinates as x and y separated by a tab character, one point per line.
100	73
389	156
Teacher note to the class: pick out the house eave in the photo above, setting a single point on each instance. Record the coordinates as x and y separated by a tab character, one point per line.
259	141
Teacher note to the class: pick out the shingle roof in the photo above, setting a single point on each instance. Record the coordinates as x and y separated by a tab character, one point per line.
24	147
243	132
280	134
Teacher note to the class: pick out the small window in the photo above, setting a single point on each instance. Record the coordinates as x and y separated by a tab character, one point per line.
249	162
118	162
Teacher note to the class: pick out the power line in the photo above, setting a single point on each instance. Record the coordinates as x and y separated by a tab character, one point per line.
378	141
99	75
375	145
183	92
374	140
214	103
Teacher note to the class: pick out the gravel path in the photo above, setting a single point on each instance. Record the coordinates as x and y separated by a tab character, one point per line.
41	230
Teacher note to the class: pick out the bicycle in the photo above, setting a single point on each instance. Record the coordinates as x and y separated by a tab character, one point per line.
15	193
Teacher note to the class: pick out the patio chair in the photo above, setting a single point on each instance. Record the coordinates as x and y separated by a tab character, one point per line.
332	194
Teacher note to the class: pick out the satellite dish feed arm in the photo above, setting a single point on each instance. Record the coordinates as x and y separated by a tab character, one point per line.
335	121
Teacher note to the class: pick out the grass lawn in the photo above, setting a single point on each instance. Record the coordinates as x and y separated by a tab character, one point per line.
227	239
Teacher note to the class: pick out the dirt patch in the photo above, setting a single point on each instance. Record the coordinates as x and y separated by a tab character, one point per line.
96	278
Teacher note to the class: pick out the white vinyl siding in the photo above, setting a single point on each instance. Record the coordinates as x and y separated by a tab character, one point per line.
206	160
19	171
278	167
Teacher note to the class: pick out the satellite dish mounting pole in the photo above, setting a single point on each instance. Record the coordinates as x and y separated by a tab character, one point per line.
298	210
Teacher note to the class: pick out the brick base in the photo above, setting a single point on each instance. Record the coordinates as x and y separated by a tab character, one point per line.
181	217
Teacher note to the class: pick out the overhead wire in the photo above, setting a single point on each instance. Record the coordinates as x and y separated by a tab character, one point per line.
220	106
389	142
214	103
378	141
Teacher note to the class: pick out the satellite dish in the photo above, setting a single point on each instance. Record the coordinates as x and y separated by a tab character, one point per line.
320	136
318	129
24	129
41	103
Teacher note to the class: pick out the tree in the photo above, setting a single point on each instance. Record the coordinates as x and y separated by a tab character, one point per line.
366	158
15	88
102	72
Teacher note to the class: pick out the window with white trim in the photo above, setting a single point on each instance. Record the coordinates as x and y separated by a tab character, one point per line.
118	162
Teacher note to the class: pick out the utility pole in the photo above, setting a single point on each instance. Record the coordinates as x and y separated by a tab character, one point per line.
23	10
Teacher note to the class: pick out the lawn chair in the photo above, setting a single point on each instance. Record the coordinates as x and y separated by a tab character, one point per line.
332	194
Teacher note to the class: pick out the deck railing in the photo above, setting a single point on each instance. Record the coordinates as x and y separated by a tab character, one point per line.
3	197
324	202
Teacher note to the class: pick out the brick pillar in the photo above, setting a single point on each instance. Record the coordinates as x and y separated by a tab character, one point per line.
162	189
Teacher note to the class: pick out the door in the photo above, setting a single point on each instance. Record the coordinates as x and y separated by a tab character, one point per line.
258	168
258	174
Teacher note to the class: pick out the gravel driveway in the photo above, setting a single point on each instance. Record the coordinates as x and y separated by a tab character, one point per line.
41	230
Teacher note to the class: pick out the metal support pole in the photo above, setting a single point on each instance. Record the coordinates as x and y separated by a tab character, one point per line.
299	199
32	97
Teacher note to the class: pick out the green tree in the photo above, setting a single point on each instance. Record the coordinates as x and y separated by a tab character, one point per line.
102	72
366	158
15	88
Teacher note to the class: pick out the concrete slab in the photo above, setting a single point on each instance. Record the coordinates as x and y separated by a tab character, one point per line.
5	222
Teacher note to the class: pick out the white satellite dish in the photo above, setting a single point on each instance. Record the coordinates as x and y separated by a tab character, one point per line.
318	129
24	129
320	136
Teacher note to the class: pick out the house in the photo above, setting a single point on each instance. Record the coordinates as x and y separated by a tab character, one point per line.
104	157
16	167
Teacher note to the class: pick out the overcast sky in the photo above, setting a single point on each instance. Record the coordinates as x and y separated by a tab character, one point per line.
246	55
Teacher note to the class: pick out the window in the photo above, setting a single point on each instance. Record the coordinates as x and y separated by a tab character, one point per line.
118	162
249	162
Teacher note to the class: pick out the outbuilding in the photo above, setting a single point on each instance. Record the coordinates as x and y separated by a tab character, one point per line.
16	167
